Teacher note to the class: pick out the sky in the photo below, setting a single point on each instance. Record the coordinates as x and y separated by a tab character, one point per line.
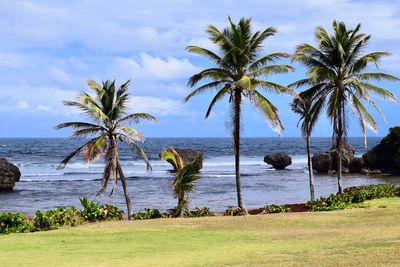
49	49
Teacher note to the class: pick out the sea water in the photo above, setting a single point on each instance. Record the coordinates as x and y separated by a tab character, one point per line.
43	187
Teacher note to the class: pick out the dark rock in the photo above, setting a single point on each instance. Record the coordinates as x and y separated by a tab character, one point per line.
385	156
187	155
9	175
327	161
367	171
348	152
356	165
278	160
322	162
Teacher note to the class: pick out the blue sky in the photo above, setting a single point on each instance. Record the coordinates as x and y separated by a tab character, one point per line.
49	49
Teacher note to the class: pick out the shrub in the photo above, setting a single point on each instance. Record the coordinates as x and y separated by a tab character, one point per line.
199	212
234	211
274	208
12	223
93	211
147	214
333	202
362	193
354	195
52	219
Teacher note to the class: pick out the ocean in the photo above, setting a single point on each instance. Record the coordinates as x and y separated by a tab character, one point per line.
43	187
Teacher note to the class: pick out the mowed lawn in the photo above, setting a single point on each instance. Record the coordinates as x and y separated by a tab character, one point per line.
356	237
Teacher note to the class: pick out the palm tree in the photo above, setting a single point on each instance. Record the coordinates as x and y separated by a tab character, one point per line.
337	73
238	73
108	112
308	112
185	175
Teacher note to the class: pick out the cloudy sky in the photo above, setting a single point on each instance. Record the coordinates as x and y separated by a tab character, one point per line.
49	49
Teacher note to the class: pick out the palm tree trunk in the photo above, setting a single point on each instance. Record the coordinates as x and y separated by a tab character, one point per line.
310	169
127	198
236	142
339	144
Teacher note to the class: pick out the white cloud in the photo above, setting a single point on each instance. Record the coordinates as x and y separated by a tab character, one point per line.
43	108
58	74
22	105
159	106
24	100
155	68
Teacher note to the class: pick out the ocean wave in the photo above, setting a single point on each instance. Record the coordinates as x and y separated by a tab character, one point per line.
41	174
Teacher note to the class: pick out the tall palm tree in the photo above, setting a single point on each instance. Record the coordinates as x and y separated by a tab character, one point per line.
308	110
338	72
238	73
186	174
107	110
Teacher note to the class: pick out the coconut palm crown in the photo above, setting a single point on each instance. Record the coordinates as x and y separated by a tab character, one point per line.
238	74
338	72
107	110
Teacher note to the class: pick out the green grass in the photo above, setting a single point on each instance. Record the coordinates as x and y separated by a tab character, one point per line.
368	236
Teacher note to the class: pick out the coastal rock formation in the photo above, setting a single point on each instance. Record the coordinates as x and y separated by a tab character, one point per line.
385	156
326	162
279	160
187	155
356	165
9	175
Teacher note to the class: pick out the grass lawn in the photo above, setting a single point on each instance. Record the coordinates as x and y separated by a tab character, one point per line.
358	237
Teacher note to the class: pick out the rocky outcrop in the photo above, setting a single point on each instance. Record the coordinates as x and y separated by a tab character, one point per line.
187	155
322	162
327	161
9	175
356	165
279	160
385	156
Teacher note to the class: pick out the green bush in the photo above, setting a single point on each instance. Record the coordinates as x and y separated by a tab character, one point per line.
93	211
361	193
199	212
354	195
52	219
234	211
12	223
333	202
274	208
147	214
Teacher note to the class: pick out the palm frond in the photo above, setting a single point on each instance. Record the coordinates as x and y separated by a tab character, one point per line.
65	161
136	118
139	151
271	69
269	111
221	93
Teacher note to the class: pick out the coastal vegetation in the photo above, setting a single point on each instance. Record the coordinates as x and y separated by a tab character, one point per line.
353	237
238	73
58	217
109	116
338	75
183	184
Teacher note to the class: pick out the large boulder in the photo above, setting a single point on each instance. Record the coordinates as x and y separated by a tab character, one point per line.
356	165
348	152
322	162
187	155
9	175
326	162
279	160
385	156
